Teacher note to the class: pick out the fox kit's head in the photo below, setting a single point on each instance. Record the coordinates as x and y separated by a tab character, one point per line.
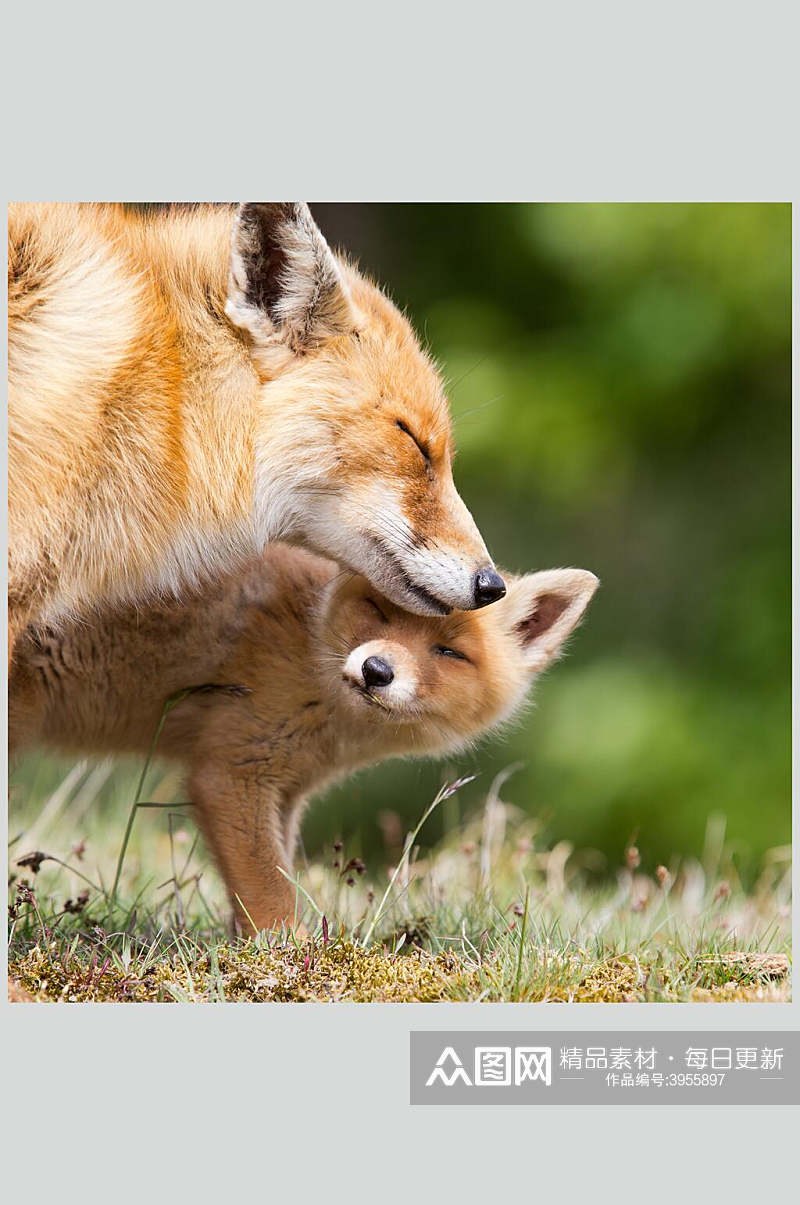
433	684
353	452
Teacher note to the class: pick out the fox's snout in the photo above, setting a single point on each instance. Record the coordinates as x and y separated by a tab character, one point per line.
489	587
384	672
376	672
444	556
371	666
432	563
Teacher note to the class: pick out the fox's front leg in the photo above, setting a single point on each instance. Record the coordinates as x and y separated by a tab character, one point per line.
238	809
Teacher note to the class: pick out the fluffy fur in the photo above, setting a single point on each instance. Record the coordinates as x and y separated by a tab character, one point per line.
185	386
279	650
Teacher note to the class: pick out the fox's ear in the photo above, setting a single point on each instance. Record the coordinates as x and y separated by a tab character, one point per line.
543	608
284	288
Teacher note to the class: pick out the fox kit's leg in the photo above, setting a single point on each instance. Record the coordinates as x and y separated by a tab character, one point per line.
240	816
27	703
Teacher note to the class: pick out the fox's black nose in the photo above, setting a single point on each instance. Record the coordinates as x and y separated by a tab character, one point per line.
489	586
376	672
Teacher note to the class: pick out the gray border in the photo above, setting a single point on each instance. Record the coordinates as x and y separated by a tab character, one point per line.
596	103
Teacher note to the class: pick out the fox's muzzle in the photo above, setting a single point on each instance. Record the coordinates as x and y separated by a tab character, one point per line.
489	587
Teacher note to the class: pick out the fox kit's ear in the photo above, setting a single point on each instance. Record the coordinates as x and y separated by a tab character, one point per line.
284	288
543	608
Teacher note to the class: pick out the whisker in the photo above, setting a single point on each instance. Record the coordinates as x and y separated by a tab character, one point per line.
474	409
453	385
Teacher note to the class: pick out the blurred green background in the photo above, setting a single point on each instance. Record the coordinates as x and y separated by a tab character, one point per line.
620	382
621	391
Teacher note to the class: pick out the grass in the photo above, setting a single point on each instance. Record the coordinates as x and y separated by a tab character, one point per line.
490	914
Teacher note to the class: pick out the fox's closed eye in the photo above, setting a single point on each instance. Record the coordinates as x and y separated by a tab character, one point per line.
442	650
407	431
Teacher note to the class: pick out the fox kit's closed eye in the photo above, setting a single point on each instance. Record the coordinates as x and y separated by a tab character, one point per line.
337	677
185	386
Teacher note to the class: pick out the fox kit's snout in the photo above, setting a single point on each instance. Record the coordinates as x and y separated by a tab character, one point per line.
442	681
355	411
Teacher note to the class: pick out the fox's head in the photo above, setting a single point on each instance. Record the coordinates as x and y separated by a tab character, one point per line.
433	684
354	451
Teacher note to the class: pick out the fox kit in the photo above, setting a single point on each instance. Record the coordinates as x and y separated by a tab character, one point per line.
305	673
186	386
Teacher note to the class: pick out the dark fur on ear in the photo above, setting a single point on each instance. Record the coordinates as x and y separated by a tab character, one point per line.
544	608
285	288
263	253
547	608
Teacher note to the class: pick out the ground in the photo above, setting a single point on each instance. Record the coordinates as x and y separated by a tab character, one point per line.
490	914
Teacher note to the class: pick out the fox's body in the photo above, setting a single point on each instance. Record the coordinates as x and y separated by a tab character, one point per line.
308	674
185	386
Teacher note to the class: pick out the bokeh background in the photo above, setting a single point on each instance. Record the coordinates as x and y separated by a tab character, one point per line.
620	382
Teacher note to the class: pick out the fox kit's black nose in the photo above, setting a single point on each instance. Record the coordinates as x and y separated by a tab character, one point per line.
376	672
489	586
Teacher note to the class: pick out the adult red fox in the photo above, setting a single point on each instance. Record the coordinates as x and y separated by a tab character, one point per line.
185	386
324	675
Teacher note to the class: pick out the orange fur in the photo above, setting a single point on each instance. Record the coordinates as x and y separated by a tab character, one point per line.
176	400
280	649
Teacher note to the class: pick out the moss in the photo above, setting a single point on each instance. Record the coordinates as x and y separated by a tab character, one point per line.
742	976
342	971
248	972
618	980
745	967
732	992
733	977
